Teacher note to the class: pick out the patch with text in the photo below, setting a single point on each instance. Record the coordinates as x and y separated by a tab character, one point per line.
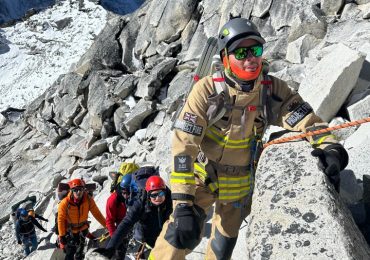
298	114
182	163
188	127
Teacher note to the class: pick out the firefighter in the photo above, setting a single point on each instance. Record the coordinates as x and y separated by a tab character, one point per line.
73	213
216	139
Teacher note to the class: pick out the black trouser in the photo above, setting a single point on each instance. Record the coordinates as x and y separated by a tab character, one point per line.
75	246
120	252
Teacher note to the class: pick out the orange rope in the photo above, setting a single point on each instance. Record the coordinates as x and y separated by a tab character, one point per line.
321	131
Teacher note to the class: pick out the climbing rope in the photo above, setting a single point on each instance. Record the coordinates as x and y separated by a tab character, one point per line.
317	132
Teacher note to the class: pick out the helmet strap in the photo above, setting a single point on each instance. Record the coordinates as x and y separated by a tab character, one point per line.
226	62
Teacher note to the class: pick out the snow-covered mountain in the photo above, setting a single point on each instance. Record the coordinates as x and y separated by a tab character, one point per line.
15	9
33	53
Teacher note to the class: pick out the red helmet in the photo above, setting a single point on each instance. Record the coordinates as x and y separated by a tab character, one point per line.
76	183
154	183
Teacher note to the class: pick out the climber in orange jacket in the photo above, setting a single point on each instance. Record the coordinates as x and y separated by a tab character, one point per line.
73	226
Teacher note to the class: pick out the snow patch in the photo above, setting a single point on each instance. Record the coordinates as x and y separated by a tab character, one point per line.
38	52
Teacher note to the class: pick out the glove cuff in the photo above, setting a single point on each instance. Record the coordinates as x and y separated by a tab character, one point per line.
182	196
338	151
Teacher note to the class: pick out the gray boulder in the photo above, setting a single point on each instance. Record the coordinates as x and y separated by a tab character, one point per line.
358	148
105	52
125	86
331	7
362	2
310	21
127	40
142	109
261	8
360	109
295	211
150	83
99	104
297	50
328	84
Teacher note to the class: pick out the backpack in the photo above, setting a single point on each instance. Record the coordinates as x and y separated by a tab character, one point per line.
27	203
141	175
125	168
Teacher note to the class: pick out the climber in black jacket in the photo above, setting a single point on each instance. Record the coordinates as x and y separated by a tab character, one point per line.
25	231
150	211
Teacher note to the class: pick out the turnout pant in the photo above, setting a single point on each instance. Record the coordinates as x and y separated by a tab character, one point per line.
226	221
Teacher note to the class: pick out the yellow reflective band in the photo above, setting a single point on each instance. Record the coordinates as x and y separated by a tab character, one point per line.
237	185
230	196
226	138
234	190
151	257
200	168
226	142
322	139
225	180
182	174
182	178
213	186
233	180
231	188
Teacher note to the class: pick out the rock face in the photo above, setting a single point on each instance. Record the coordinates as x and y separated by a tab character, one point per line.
116	105
296	213
329	83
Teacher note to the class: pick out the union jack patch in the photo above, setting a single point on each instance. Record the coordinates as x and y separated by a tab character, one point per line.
190	117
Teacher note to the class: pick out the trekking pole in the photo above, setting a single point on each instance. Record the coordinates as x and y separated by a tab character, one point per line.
321	131
140	252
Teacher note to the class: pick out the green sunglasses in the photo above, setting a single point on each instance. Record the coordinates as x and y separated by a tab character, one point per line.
242	52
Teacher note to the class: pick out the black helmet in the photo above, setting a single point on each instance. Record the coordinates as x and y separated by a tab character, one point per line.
236	30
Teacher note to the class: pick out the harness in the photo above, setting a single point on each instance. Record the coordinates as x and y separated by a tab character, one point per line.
220	104
26	228
72	226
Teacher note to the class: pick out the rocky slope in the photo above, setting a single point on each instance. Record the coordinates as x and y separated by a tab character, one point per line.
117	102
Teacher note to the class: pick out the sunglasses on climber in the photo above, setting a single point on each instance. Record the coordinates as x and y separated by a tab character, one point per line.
157	194
242	52
125	192
76	190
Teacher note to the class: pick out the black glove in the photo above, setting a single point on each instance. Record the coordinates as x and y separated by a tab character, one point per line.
186	229
63	240
19	242
334	158
107	252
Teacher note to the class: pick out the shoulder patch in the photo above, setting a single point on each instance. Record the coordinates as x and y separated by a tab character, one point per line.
298	114
182	163
188	127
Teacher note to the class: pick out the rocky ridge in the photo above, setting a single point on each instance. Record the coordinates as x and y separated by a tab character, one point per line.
116	104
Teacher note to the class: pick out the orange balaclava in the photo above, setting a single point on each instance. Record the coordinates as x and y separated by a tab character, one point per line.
239	73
